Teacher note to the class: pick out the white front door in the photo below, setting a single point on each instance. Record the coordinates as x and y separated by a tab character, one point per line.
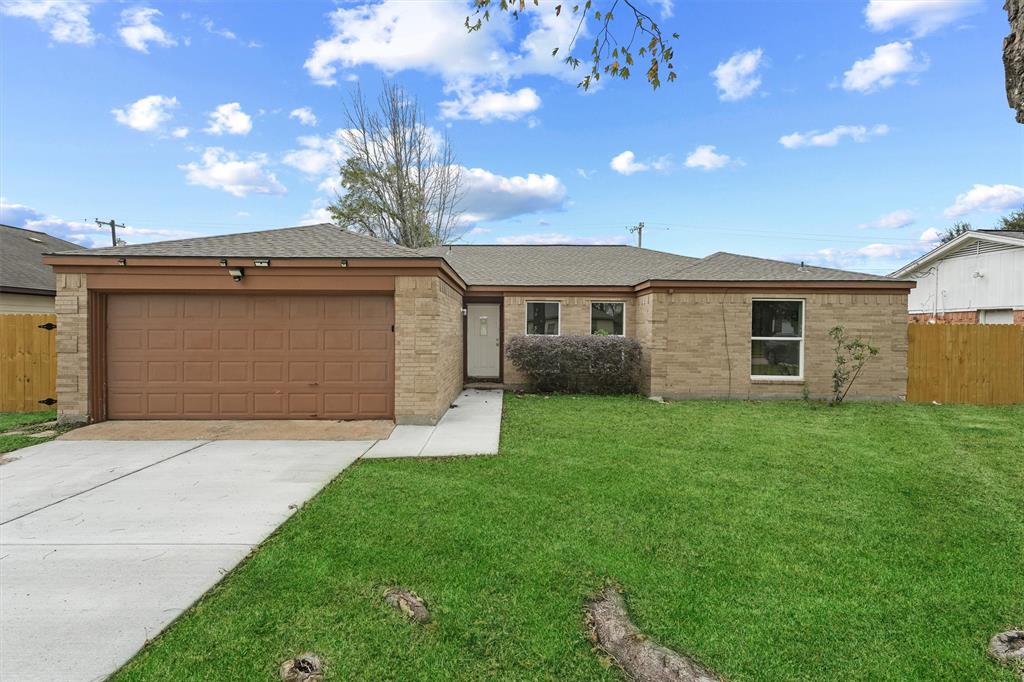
483	340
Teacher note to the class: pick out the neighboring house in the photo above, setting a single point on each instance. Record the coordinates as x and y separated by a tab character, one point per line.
26	285
317	322
976	278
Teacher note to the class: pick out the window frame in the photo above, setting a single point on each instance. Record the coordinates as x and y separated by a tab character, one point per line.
526	320
601	300
803	332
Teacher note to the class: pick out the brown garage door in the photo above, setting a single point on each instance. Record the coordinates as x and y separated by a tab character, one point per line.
188	356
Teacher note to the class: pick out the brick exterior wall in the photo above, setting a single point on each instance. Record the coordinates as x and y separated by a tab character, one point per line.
960	317
1018	317
574	317
72	308
698	345
428	348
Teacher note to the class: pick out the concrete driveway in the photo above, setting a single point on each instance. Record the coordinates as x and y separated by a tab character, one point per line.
104	543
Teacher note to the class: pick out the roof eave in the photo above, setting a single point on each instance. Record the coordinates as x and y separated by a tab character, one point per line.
939	251
833	284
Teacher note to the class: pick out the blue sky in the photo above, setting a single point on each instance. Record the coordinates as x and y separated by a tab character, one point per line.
841	133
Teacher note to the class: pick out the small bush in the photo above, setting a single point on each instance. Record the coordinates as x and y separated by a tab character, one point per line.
577	364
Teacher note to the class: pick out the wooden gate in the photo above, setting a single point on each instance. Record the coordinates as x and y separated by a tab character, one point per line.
980	364
28	362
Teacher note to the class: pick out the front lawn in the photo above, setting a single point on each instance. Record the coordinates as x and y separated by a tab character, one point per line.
27	422
774	541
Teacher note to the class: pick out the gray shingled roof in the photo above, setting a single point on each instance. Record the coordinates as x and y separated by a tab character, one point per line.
306	241
722	266
21	258
558	265
1013	234
548	265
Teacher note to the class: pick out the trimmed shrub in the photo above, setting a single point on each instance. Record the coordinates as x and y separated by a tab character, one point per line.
577	364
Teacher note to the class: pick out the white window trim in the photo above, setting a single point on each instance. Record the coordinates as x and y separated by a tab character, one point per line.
601	300
526	322
803	328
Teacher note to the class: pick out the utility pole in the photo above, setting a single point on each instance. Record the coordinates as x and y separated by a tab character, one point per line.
113	228
639	229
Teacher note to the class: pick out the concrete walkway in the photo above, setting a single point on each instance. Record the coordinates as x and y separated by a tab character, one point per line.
471	427
103	544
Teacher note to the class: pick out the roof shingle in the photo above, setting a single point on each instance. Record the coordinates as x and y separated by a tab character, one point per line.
21	258
305	241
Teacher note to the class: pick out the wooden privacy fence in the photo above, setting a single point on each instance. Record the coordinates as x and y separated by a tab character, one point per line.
28	362
982	364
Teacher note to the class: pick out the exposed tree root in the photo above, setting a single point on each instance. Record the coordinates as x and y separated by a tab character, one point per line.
303	668
639	657
1008	648
409	603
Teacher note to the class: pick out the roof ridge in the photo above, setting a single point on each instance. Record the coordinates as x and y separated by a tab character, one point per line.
362	236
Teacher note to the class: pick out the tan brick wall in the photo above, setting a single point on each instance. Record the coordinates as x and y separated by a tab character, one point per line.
574	317
698	345
72	308
428	348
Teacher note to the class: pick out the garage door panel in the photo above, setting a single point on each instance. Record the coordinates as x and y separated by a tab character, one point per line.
275	357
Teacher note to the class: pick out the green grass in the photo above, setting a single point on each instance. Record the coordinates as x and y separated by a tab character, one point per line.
19	421
774	541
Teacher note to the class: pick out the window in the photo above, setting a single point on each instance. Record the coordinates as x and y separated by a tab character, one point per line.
777	339
542	317
997	316
606	317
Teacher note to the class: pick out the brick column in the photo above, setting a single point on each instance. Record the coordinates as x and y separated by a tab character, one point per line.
72	309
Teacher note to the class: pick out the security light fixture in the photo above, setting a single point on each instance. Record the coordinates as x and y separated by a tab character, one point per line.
261	262
236	273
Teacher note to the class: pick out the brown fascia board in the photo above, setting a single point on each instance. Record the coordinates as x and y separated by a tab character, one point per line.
81	262
901	286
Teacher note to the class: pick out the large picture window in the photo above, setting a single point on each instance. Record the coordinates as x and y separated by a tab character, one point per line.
606	317
777	339
542	317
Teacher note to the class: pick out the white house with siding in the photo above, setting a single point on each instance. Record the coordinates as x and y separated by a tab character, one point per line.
977	278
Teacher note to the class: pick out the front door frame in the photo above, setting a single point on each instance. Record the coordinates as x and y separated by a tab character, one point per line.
500	301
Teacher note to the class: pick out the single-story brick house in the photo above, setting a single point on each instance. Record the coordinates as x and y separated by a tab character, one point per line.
317	322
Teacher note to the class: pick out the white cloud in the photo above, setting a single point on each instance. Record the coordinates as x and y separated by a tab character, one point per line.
488	196
737	78
180	132
147	114
987	198
318	154
549	238
490	105
138	30
304	115
831	138
884	67
921	16
626	163
209	27
869	253
584	173
892	220
394	36
705	158
67	21
223	170
85	233
229	118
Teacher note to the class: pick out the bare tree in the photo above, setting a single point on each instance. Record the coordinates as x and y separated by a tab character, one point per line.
401	181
